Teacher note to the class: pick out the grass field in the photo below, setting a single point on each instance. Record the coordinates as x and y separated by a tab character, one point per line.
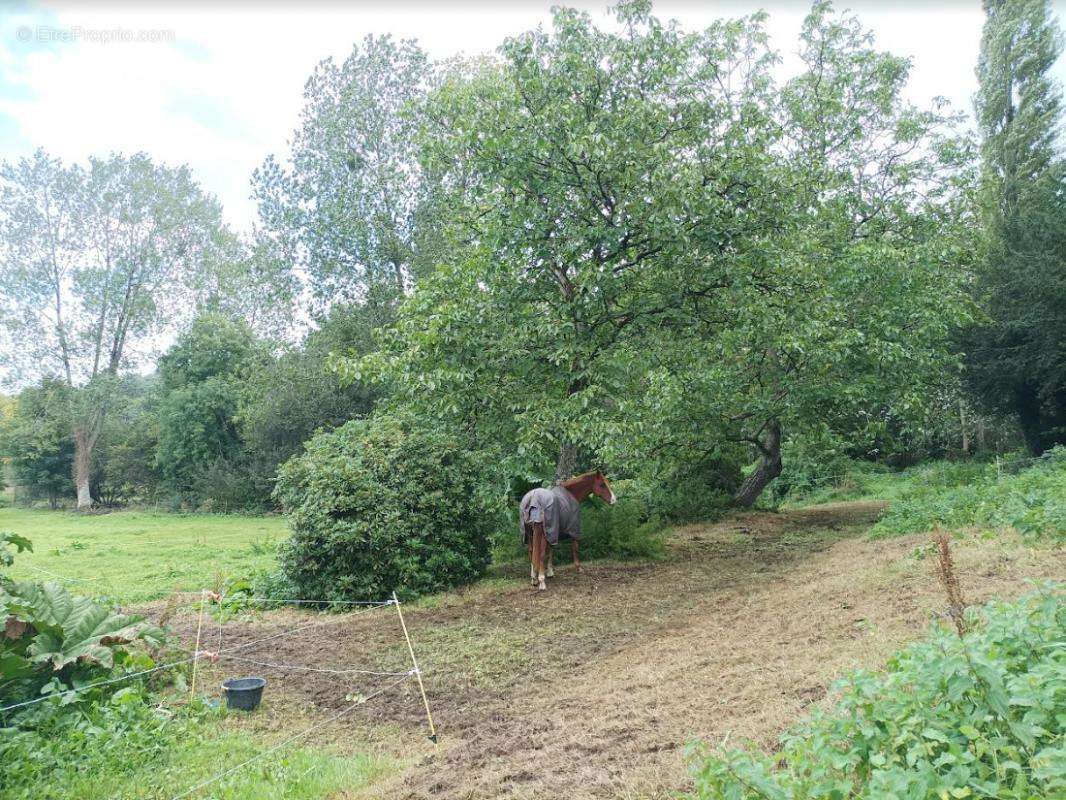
137	556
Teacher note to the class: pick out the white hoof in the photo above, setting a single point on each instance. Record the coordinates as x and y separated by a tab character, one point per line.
551	572
542	585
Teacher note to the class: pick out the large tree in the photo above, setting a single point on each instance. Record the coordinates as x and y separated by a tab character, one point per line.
599	183
97	264
654	247
859	292
1017	360
348	207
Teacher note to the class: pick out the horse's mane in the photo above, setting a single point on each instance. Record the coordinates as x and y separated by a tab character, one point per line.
578	477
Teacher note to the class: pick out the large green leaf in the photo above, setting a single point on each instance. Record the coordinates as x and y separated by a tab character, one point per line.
9	540
69	628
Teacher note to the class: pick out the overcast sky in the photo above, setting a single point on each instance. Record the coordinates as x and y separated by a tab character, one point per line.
218	86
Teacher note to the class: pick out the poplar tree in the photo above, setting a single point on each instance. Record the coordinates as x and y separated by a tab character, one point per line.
1017	359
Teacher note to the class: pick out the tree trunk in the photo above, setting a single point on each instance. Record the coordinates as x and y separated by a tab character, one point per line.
768	468
84	442
566	463
1029	420
965	433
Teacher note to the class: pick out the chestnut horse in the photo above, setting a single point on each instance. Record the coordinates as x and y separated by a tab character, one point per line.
547	515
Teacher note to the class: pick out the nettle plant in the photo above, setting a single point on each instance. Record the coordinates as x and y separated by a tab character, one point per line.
951	717
53	640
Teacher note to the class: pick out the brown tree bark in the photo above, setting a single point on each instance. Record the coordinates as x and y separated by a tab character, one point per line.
768	468
965	431
85	438
566	463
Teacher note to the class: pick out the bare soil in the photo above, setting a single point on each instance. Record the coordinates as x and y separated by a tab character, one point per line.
594	688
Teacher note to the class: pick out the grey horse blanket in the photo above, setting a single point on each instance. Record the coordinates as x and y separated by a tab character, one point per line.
556	508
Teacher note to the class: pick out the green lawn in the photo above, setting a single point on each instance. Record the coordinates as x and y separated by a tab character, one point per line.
135	556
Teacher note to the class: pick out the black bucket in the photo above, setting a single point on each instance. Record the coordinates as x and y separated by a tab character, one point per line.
243	694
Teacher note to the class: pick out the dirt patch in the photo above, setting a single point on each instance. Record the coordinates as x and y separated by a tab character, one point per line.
593	689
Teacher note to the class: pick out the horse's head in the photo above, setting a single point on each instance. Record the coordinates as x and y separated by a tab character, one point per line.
602	489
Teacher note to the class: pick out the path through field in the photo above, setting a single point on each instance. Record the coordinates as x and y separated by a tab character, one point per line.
593	689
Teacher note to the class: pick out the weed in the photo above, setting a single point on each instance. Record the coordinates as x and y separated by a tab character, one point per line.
945	572
977	715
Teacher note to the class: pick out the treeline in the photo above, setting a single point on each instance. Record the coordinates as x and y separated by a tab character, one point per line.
633	248
207	430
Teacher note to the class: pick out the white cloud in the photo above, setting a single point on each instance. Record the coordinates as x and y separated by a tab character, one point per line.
227	91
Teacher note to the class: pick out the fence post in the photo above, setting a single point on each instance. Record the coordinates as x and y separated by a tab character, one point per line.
418	672
196	652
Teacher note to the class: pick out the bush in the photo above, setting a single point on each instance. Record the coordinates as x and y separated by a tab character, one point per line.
951	717
47	755
809	462
624	530
383	504
1033	501
692	492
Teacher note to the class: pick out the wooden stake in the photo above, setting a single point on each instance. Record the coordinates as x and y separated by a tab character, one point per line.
418	672
196	652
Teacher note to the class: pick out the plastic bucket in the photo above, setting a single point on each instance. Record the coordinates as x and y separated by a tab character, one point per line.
243	694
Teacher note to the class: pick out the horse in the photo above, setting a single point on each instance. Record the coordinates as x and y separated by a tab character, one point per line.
546	515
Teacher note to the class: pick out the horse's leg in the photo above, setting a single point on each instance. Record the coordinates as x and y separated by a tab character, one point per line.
573	551
532	562
539	542
551	561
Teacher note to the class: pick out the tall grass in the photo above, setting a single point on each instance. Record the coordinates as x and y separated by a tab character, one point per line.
1026	494
123	748
1031	500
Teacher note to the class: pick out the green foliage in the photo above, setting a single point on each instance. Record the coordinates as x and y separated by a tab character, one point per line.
349	207
10	540
130	748
690	255
284	403
1016	362
383	504
214	346
53	744
199	451
810	461
98	262
54	639
1032	500
623	530
979	716
196	430
689	488
273	584
37	439
123	459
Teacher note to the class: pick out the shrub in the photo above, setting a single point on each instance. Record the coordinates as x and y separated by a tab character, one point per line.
693	492
951	717
809	463
48	753
1033	501
53	640
624	530
383	504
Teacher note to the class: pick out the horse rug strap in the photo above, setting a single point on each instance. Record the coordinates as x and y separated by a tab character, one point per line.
556	509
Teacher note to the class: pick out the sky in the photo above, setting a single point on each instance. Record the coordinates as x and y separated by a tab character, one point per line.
218	86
